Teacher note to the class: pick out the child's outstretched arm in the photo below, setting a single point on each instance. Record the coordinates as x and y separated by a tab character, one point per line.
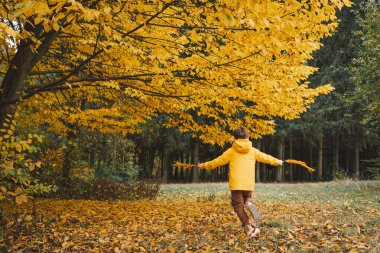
268	159
217	162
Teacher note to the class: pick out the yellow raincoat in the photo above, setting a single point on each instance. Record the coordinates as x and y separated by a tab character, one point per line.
242	158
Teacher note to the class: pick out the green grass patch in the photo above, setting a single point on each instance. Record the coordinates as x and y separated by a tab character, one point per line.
347	192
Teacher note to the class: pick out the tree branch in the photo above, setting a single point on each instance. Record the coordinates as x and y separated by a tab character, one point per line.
94	55
240	59
44	72
203	27
146	92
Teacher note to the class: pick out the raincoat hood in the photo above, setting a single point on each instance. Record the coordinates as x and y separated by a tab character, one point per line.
242	145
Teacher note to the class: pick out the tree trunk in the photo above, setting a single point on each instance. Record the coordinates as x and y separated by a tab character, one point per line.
311	160
213	175
181	174
20	67
150	163
68	159
146	161
187	172
335	168
348	159
140	162
92	158
176	174
357	158
280	155
66	169
225	172
165	165
196	161
320	157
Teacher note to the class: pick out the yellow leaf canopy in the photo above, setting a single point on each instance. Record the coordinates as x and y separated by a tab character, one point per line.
209	65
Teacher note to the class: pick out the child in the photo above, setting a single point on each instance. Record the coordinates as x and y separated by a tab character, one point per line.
241	158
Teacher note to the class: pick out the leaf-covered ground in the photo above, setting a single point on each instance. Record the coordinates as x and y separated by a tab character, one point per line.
313	217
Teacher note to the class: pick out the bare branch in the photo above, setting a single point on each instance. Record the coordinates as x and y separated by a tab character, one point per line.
37	73
240	59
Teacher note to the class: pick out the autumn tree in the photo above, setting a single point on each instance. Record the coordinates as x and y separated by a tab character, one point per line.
366	76
111	65
339	132
366	65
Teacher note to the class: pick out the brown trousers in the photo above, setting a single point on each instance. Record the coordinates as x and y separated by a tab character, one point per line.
238	198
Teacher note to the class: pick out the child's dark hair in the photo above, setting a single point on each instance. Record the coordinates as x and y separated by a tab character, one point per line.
240	133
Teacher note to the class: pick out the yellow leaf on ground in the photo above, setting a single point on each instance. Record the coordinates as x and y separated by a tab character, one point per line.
21	199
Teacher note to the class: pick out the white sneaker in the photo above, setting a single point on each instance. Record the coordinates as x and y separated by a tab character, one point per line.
249	230
252	232
255	233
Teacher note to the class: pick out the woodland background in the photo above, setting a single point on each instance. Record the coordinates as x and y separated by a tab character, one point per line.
80	135
99	100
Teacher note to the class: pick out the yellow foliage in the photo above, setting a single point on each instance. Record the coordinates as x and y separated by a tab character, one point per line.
82	173
16	182
114	65
182	165
303	164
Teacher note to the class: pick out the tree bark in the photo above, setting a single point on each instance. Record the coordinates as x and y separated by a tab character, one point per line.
357	158
311	160
348	159
336	157
146	160
174	171
165	165
20	67
187	172
213	175
181	174
320	157
92	158
68	159
150	163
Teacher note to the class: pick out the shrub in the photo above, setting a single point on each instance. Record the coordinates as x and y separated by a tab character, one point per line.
340	174
373	169
17	177
126	172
